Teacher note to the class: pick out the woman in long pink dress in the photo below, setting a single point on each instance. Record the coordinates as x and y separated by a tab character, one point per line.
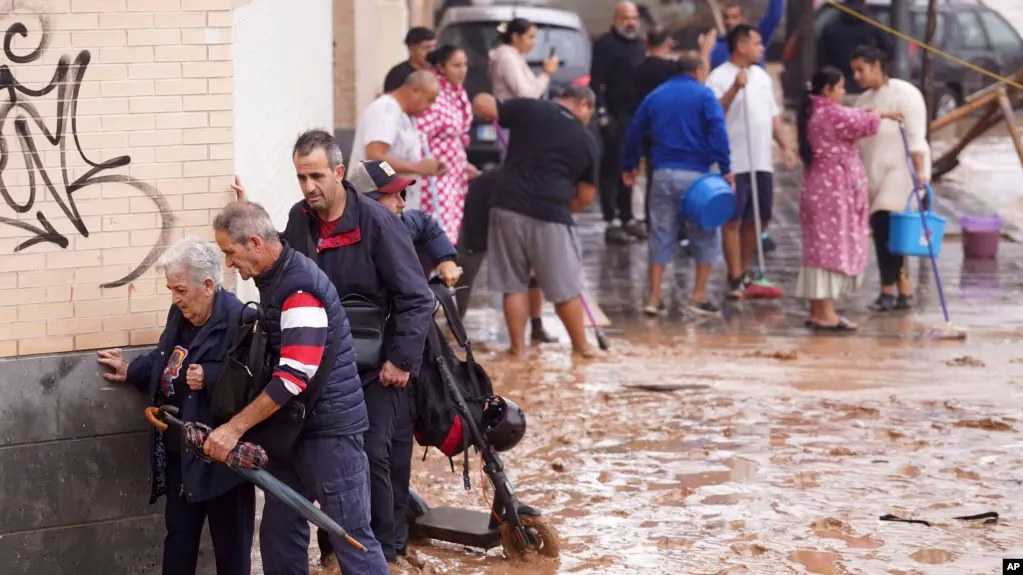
445	129
833	201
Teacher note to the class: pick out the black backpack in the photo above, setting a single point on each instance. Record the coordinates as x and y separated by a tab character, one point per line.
437	419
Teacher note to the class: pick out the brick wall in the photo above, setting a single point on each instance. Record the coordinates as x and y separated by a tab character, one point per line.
129	147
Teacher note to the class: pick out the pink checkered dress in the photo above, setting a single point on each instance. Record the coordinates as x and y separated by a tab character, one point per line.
445	126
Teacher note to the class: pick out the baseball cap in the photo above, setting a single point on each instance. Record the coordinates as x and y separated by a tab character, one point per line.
376	178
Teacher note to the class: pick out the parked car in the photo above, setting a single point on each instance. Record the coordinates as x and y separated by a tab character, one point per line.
970	30
474	29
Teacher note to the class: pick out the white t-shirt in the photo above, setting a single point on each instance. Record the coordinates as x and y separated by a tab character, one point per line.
762	110
384	121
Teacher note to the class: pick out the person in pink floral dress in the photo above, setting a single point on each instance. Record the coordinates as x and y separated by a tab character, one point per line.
445	130
833	201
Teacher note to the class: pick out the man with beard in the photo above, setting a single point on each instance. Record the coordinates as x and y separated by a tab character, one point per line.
615	56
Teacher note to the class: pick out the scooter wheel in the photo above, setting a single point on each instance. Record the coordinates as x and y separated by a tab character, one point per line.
545	538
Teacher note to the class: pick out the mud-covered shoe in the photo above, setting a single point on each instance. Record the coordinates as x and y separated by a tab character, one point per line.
616	235
737	287
904	302
704	308
883	303
636	229
330	566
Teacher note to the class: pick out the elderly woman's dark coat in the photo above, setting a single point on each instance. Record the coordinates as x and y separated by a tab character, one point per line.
201	481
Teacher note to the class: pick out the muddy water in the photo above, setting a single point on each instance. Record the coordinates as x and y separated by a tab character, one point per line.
778	456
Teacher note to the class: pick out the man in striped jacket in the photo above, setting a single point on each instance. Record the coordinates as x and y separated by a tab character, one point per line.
329	463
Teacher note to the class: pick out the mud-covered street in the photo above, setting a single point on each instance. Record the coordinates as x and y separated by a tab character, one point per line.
745	444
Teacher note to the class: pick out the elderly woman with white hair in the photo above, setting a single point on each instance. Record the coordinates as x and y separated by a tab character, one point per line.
182	371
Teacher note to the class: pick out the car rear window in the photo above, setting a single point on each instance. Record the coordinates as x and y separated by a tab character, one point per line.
478	38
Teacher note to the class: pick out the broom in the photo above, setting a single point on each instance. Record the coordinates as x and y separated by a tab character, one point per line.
760	288
948	331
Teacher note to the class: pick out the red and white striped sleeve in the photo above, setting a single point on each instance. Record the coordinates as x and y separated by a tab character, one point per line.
303	338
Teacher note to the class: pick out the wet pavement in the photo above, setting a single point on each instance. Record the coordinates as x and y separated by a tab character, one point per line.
777	450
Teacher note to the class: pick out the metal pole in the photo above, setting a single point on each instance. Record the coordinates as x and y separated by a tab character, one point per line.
900	18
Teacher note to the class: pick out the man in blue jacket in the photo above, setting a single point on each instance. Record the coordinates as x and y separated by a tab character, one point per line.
687	128
733	15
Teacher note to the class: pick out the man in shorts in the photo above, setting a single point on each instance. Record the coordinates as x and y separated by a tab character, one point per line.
744	87
687	127
550	172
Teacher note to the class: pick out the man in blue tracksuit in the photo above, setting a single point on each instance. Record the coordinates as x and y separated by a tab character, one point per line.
733	15
687	127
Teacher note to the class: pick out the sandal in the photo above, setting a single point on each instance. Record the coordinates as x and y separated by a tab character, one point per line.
843	325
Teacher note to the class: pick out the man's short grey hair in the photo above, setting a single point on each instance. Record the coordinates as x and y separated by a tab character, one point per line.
579	94
311	140
199	259
690	62
242	220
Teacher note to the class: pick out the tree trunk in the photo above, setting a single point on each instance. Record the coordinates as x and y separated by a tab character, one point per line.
927	67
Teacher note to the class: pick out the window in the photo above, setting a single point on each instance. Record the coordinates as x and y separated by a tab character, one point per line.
477	38
1003	36
970	32
920	28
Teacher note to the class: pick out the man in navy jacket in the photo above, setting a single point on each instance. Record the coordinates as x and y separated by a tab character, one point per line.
365	251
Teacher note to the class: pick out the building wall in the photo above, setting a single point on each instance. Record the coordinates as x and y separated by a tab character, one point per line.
368	40
130	149
122	139
281	88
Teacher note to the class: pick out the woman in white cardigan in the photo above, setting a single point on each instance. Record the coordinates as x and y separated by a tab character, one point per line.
510	74
884	155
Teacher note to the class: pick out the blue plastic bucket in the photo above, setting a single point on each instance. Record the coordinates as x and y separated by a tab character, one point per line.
906	231
709	201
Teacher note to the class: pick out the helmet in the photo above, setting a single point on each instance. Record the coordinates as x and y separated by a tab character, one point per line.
505	423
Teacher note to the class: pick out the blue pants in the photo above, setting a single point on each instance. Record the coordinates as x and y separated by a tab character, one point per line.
669	186
335	472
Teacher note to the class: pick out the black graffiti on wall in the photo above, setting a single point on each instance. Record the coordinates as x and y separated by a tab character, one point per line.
67	81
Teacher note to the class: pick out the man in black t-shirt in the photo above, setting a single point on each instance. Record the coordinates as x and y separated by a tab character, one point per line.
550	171
657	69
420	42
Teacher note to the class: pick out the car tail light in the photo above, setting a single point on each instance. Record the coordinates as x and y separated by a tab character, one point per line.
581	81
790	48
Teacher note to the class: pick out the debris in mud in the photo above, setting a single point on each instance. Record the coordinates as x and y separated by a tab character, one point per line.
986	423
558	467
965	361
841	452
778	355
748	549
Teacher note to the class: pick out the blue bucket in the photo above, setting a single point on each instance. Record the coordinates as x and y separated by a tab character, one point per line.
709	201
906	231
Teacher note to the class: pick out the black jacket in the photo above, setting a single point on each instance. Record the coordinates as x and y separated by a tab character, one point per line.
370	253
201	481
614	59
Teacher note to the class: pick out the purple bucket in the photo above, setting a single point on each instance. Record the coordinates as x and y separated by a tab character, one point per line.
980	236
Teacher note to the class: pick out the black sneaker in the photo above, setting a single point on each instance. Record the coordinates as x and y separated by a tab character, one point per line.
883	303
737	287
636	229
616	235
904	302
705	308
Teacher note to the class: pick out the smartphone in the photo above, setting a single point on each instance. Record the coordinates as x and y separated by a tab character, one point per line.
553	51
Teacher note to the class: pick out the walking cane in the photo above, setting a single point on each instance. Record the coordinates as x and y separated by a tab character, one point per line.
767	290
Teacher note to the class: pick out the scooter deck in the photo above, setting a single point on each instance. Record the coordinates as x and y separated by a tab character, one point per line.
455	525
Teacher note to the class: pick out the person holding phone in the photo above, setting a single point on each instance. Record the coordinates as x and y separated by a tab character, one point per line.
510	75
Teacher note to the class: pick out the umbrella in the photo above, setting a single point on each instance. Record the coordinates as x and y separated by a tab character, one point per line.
247	459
